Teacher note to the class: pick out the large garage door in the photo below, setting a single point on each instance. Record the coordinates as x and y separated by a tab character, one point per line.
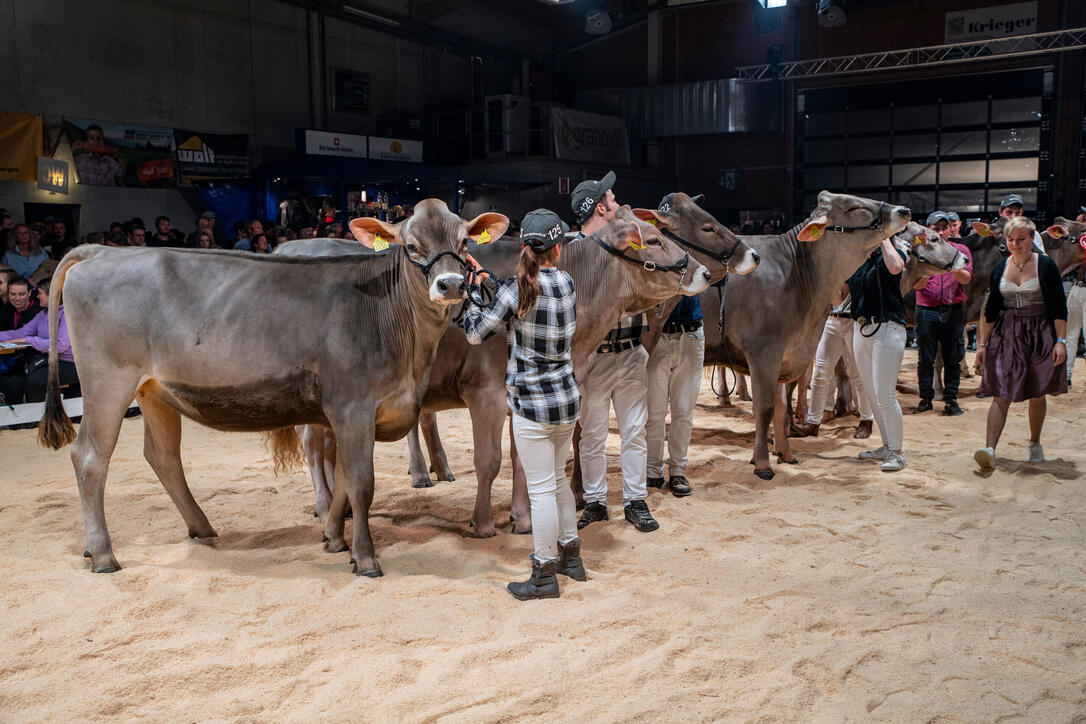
956	143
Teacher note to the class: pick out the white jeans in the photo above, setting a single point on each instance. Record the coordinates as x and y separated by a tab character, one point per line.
674	374
836	343
617	377
878	359
543	450
1076	312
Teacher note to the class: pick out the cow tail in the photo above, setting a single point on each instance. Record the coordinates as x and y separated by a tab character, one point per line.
286	449
55	429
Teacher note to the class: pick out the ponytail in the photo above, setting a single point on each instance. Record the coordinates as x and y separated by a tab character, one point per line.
527	281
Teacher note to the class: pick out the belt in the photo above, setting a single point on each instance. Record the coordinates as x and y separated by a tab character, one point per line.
864	321
620	346
677	327
841	315
940	307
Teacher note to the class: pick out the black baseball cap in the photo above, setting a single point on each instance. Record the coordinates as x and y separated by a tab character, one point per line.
542	229
1010	200
665	203
588	193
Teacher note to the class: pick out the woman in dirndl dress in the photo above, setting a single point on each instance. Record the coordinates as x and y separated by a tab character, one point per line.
1022	347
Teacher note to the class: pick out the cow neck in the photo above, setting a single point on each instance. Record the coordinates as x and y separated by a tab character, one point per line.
410	317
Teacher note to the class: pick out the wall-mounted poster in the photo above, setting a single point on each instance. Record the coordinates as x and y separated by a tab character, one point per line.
20	145
211	155
105	153
350	91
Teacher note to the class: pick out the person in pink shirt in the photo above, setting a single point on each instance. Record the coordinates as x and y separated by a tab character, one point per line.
940	323
36	334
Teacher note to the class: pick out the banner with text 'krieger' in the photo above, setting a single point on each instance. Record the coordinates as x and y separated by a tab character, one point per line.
589	137
211	155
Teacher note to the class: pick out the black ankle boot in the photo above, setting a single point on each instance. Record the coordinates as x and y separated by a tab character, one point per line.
569	560
542	584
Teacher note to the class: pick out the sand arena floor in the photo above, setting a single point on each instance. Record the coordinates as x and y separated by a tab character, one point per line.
833	593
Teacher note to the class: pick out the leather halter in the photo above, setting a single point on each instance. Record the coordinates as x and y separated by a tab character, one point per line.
647	265
723	257
875	225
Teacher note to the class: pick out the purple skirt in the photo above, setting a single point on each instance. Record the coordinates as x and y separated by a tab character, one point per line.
1018	365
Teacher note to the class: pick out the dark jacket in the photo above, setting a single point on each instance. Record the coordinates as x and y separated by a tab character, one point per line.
7	314
876	293
1051	288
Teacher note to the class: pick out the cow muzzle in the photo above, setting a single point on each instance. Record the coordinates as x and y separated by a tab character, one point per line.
747	263
447	289
696	279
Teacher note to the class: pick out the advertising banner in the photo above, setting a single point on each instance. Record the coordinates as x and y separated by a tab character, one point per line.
211	155
52	175
395	149
323	143
20	144
589	138
994	22
121	154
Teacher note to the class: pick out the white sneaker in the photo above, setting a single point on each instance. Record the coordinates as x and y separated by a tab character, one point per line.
882	453
985	458
1036	453
895	462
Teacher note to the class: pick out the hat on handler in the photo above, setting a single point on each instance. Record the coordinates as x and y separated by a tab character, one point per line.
665	203
542	229
935	217
1010	200
953	216
588	193
207	215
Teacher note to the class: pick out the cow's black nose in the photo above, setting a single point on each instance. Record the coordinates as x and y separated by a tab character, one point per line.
902	211
755	257
445	287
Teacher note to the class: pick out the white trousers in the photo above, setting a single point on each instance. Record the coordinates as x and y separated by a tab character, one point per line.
878	359
619	378
836	343
674	374
1076	312
543	450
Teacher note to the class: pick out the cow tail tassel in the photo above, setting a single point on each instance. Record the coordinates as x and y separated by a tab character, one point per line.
286	449
55	429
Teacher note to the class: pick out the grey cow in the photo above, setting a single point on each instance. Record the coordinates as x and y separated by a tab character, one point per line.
244	342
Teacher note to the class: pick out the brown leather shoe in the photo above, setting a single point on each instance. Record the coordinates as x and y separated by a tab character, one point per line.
805	430
863	430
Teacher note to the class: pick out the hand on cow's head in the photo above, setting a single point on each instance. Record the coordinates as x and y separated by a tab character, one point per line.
370	231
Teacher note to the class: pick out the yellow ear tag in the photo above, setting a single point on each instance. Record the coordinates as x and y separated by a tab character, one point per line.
917	241
816	232
379	244
653	222
1056	233
634	245
985	231
484	238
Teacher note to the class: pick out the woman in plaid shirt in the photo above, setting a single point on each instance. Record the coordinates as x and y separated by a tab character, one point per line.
537	313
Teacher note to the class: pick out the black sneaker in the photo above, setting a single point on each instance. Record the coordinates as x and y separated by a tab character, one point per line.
680	486
593	512
924	406
637	513
654	482
952	408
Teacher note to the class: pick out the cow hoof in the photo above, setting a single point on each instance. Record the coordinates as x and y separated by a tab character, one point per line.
374	572
337	546
787	461
448	477
516	529
112	567
764	474
484	531
209	533
422	483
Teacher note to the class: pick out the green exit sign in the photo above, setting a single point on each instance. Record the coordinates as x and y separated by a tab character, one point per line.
730	179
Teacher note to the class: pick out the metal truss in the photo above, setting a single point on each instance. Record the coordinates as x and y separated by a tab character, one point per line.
931	56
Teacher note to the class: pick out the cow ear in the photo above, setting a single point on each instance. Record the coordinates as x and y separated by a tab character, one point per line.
1057	231
374	233
487	227
631	239
982	228
814	228
652	216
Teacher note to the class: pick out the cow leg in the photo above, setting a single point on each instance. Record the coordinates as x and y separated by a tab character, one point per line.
487	423
520	511
782	419
103	412
314	446
416	467
162	449
741	388
937	375
764	386
354	484
724	398
439	462
328	439
575	480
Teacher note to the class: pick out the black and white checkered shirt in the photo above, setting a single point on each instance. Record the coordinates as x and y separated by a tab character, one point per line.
539	383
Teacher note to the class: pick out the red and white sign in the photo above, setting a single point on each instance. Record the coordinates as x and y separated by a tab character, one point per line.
322	143
1082	241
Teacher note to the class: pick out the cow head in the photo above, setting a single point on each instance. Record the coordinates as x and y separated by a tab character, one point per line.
652	254
1065	242
927	248
866	220
435	241
697	231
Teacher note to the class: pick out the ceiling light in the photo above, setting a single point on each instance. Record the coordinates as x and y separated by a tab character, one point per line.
370	16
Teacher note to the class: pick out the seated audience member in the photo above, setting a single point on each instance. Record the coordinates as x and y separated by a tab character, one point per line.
59	240
117	238
202	224
24	254
217	234
114	228
259	244
36	334
21	307
204	240
165	235
137	236
95	237
282	237
6	275
6	220
307	230
241	236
